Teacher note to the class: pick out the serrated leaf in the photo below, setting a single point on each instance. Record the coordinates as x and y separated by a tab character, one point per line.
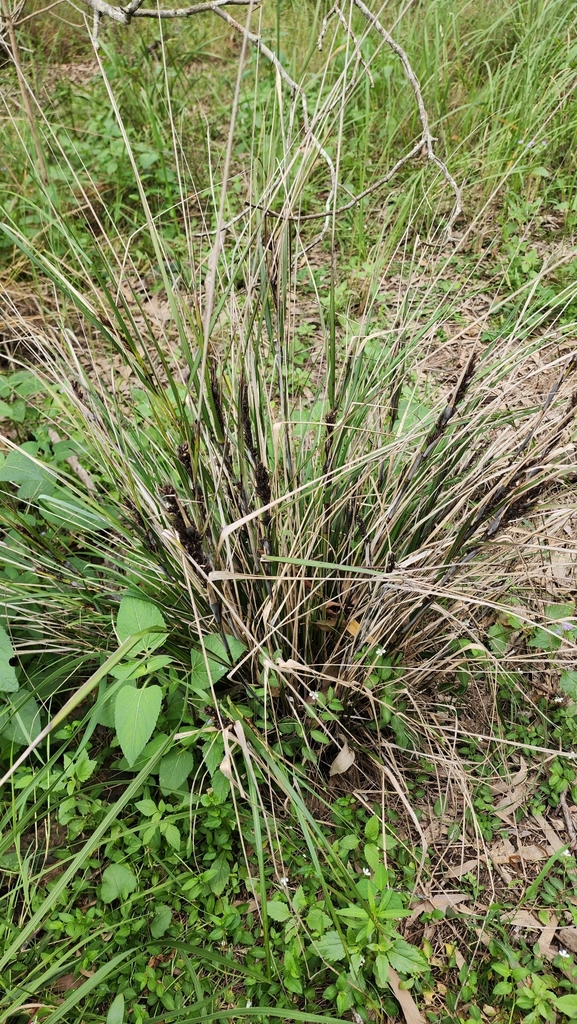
381	970
544	641
317	920
118	882
406	958
175	768
115	1013
84	767
278	911
348	843
8	679
135	715
330	947
146	807
151	748
213	752
373	828
217	876
206	670
161	921
171	834
556	612
568	683
135	614
372	856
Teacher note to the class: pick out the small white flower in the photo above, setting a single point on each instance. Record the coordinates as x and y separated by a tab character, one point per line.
248	1004
566	853
313	695
559	699
381	651
530	143
367	871
521	142
564	952
361	961
283	881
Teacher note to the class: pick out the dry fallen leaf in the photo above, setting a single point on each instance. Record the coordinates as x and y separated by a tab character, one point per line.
568	938
411	1011
550	834
463	869
530	853
524	919
502	786
546	937
342	761
440	902
502	851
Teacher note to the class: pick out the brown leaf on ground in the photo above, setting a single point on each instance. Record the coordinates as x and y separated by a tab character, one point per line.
342	761
411	1011
568	938
442	901
502	786
553	839
502	851
530	853
546	937
463	869
525	919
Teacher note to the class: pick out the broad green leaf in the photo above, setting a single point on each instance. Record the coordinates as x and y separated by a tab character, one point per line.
20	469
217	875
218	666
373	856
115	1013
104	712
146	807
556	612
406	958
568	683
567	1004
278	911
213	753
544	641
391	906
171	834
84	766
317	920
372	828
8	680
161	921
20	718
330	947
348	843
175	768
135	715
149	751
381	970
118	882
135	614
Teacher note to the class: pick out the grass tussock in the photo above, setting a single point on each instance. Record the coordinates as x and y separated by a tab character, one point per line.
287	509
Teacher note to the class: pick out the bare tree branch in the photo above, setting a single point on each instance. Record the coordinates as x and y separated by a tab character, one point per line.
124	15
428	139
